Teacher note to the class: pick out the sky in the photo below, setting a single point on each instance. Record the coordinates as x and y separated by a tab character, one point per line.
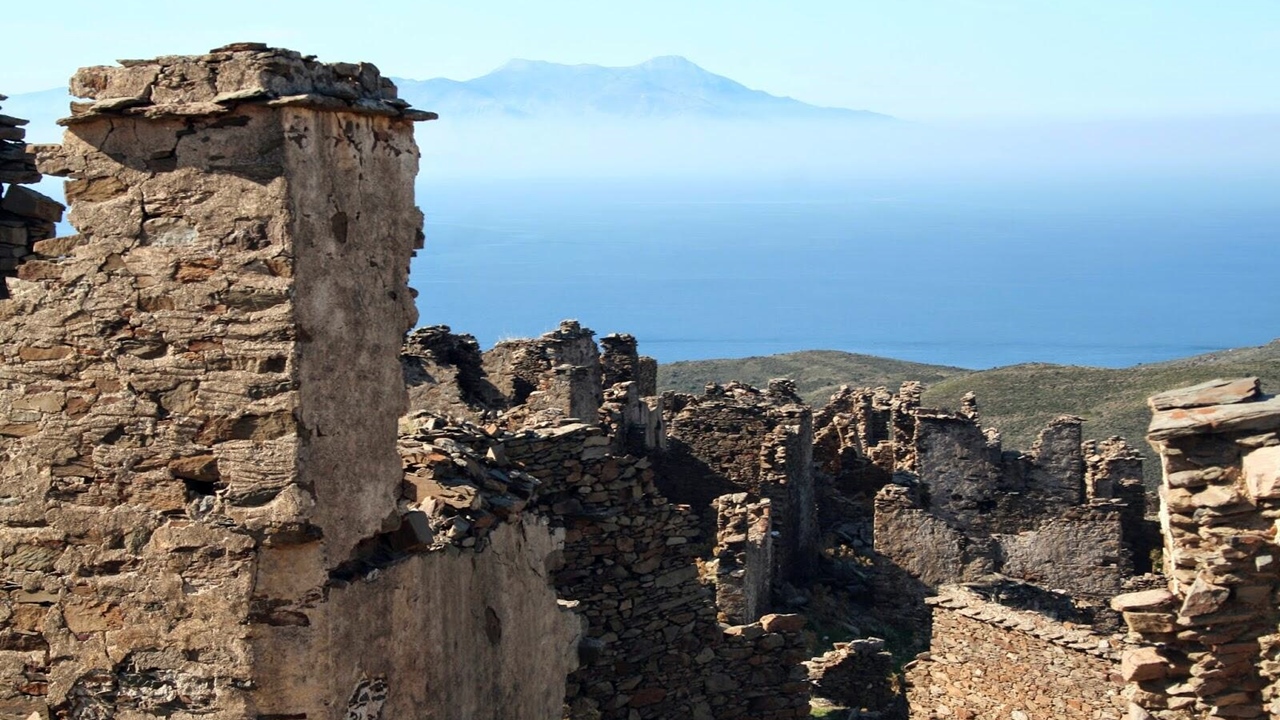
915	59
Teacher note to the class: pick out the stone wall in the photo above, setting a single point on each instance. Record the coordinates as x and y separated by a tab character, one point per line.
1212	648
991	662
742	558
444	374
562	367
737	438
629	567
1046	516
26	216
859	675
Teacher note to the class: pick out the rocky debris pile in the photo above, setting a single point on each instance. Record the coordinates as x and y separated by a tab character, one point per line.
177	86
26	216
1211	645
458	478
987	661
859	675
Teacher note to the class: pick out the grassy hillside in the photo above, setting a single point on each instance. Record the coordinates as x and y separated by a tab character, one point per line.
817	373
1018	399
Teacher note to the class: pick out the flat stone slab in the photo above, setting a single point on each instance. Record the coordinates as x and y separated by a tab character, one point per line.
1142	600
1213	392
1180	422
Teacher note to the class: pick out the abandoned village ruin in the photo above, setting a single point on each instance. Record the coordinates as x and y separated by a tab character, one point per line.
236	486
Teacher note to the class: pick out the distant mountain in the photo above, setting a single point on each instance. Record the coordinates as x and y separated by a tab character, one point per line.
664	87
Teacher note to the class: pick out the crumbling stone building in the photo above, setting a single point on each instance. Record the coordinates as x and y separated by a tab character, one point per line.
952	505
735	438
231	488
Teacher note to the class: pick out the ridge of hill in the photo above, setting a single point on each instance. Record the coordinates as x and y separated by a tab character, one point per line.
1018	400
817	373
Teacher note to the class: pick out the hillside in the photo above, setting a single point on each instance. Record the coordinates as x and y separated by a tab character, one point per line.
817	373
1018	399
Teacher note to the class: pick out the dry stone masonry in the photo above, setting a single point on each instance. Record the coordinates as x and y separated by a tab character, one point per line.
26	216
1067	514
1211	644
989	661
186	458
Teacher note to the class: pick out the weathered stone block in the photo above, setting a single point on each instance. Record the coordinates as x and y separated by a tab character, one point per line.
1261	469
1144	663
1213	392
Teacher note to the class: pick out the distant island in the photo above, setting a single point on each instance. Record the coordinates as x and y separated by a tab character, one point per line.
664	87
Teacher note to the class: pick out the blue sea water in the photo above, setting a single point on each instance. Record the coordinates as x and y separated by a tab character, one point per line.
1102	270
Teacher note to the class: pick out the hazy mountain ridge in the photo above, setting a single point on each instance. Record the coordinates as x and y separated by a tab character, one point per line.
664	87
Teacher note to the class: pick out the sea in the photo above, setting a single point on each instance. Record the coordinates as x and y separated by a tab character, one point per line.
1085	269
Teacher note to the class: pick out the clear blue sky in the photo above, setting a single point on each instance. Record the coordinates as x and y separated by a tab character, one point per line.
910	58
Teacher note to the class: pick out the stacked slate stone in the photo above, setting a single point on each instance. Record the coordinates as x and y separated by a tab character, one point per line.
26	216
1211	648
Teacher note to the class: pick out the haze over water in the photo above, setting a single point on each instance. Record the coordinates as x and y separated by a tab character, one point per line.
1097	244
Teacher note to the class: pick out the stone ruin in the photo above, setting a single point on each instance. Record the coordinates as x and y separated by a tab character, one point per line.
205	515
1210	645
1068	514
26	216
234	488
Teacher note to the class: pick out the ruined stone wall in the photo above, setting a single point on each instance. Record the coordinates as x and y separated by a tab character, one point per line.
634	423
444	374
26	216
859	675
742	558
924	546
563	366
990	662
1212	648
628	566
851	437
1024	515
621	362
1081	552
